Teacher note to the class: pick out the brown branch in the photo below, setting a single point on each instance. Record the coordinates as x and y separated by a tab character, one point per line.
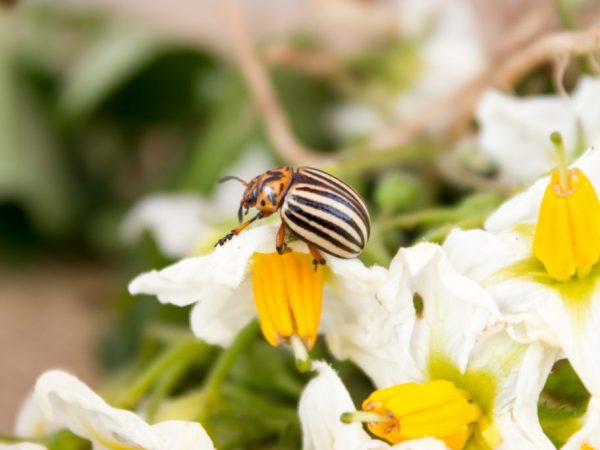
502	72
276	122
547	48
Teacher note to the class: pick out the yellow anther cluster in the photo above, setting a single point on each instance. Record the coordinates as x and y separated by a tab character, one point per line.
436	408
567	237
288	294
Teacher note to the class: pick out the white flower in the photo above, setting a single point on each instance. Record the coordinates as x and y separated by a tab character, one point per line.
458	337
184	222
515	131
562	313
322	403
222	285
449	55
65	402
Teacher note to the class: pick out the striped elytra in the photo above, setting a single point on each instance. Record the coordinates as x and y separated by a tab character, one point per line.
317	207
323	210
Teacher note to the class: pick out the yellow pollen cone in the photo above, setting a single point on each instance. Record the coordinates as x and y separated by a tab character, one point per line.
433	409
587	447
288	294
567	235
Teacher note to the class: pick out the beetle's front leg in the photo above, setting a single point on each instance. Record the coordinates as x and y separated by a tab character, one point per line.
239	229
280	244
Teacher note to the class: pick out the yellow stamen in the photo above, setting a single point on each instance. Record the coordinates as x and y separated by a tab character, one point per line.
288	294
567	236
410	411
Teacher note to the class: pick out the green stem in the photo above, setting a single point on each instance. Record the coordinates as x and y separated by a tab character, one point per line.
258	404
169	380
220	370
356	162
423	217
439	234
10	439
561	153
163	363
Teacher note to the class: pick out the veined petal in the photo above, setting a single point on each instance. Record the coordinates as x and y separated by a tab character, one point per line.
63	398
455	309
378	326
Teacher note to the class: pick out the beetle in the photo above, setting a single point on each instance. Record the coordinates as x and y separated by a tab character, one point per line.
317	207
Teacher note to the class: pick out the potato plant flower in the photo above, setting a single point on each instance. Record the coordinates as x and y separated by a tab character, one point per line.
538	258
442	360
246	277
60	400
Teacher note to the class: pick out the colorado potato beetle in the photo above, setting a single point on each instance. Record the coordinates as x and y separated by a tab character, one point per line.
317	207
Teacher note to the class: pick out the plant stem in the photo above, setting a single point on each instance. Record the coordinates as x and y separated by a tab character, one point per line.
356	162
188	349
220	370
167	382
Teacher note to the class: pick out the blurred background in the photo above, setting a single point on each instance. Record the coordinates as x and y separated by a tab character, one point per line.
118	118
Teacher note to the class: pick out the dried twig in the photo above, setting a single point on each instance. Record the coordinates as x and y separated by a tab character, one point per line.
501	74
573	43
276	122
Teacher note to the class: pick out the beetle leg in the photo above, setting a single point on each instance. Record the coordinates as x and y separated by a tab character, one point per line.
280	244
239	229
316	253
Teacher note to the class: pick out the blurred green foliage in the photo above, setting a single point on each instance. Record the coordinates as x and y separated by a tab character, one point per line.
95	113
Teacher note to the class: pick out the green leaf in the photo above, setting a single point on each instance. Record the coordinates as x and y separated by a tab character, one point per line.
115	57
232	125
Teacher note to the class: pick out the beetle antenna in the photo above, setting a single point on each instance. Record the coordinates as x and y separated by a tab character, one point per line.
232	177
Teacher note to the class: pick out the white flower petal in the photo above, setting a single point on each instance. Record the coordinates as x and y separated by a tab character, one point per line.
177	222
219	320
520	373
322	403
180	435
451	55
64	399
515	132
213	276
30	420
587	108
377	336
455	309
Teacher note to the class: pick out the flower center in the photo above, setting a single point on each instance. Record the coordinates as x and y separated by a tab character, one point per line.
567	235
411	411
288	294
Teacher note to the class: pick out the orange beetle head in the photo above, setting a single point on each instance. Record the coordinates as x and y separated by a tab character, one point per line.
265	191
272	187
